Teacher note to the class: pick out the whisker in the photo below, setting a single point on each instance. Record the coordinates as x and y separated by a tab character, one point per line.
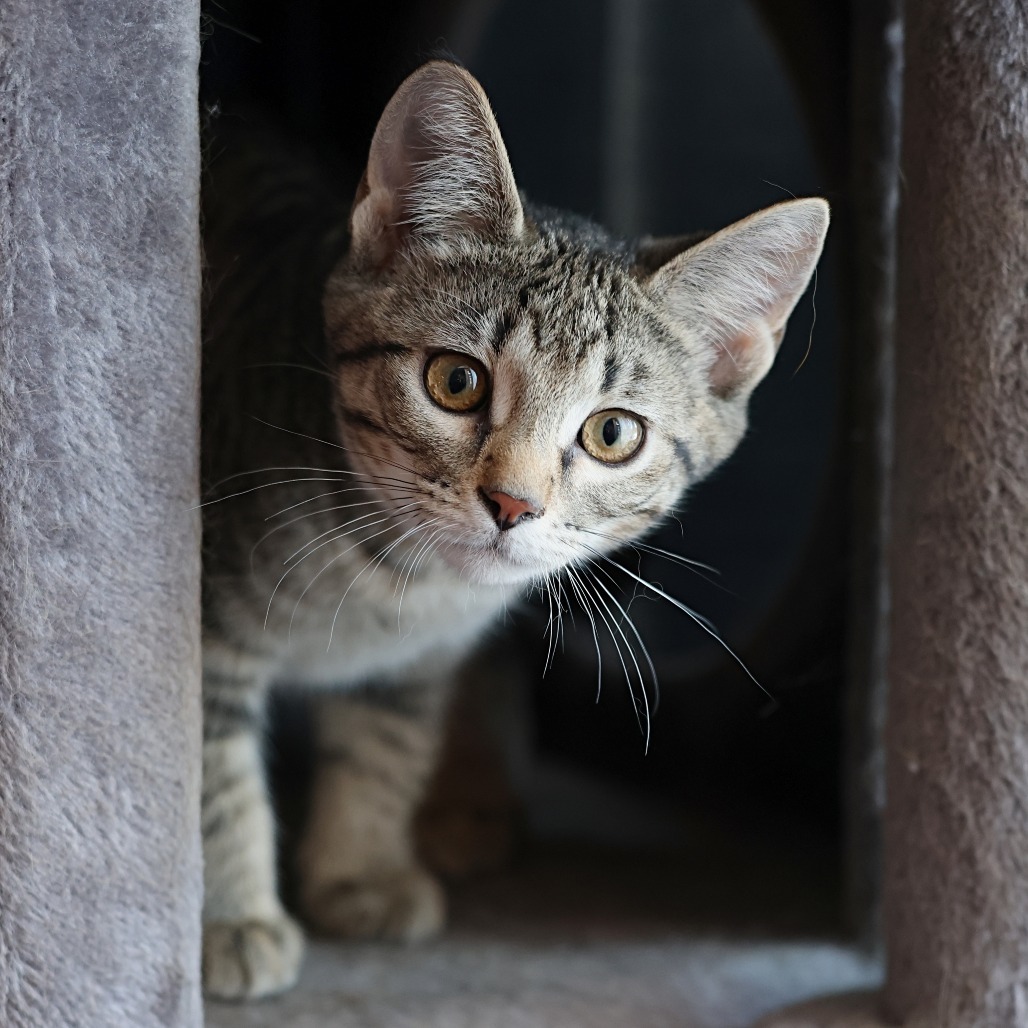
601	610
296	564
302	467
265	485
377	479
290	364
642	645
338	556
333	492
402	509
582	597
631	653
380	556
697	618
415	553
339	446
411	559
656	550
393	504
544	589
433	545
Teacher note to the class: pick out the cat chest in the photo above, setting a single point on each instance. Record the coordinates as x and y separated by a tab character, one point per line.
373	637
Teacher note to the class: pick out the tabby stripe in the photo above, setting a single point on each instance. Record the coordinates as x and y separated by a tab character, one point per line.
216	815
611	370
225	714
395	781
504	327
371	351
356	417
610	321
410	702
683	454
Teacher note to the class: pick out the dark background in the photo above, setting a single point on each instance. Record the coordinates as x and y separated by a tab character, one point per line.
653	117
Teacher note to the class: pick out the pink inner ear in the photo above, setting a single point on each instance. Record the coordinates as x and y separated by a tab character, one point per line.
740	362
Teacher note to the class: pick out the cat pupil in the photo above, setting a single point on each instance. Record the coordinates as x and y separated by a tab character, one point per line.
611	431
461	379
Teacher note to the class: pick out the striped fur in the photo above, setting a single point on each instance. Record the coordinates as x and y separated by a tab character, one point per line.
348	548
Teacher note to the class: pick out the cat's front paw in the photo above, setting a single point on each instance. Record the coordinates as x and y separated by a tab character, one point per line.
405	905
251	959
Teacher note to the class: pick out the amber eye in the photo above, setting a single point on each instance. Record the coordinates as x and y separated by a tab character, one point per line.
456	382
611	435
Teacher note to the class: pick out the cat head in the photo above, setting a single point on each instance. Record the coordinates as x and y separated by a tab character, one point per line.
529	390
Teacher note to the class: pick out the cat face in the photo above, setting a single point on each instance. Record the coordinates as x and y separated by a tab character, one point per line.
527	391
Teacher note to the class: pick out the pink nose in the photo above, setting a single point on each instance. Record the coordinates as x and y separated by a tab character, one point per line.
507	510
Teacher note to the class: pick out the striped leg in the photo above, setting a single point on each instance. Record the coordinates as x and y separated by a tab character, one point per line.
359	876
250	946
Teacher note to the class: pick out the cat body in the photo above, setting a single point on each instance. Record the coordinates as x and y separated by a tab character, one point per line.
406	427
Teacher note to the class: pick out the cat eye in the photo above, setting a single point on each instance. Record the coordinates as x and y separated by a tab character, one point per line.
611	435
456	382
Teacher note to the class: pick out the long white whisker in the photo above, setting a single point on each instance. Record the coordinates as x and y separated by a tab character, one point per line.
264	485
402	509
367	476
639	639
338	556
384	505
567	607
339	446
551	633
697	618
337	492
296	564
583	599
380	556
631	653
415	552
656	550
604	612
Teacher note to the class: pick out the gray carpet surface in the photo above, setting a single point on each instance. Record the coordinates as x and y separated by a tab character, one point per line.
586	935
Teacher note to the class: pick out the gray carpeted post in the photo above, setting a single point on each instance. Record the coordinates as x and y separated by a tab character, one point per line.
99	558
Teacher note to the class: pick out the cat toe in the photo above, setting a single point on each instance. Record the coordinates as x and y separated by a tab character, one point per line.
401	906
251	959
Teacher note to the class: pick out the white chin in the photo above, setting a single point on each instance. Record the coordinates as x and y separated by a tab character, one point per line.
487	566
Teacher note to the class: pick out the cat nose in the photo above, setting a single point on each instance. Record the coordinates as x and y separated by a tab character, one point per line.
507	510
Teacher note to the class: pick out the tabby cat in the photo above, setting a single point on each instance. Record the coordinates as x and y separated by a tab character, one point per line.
407	425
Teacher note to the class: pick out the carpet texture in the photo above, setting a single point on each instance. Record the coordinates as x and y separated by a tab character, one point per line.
587	936
99	557
956	832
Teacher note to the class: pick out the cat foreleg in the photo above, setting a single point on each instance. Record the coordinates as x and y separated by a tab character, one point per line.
359	874
251	947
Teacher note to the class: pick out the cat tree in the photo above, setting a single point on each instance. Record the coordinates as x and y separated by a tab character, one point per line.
99	684
956	741
99	553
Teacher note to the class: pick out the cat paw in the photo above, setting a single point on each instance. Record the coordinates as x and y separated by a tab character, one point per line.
401	906
251	959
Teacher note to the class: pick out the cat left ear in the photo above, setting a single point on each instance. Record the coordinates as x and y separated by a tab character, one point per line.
437	171
735	290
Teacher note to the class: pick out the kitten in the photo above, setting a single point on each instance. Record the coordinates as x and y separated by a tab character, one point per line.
504	392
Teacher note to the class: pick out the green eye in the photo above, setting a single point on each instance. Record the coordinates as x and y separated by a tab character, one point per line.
456	382
611	435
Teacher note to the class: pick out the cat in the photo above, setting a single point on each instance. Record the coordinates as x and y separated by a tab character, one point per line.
406	424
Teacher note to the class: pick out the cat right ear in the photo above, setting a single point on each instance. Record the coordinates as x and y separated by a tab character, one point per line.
734	291
437	173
